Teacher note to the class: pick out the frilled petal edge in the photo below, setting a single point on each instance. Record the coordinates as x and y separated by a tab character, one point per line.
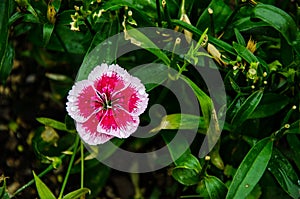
80	105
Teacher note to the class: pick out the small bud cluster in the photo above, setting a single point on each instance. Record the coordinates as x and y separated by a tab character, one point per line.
83	12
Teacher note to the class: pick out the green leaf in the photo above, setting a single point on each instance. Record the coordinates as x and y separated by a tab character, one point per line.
246	24
177	151
245	53
234	85
77	193
6	64
278	19
189	161
185	176
15	17
47	32
251	169
294	144
203	98
215	187
240	39
180	121
215	156
108	49
284	173
73	42
209	116
270	104
6	49
56	4
52	123
187	170
43	191
157	73
246	108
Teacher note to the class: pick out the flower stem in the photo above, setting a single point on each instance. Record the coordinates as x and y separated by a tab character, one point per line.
158	13
204	167
47	170
69	168
82	165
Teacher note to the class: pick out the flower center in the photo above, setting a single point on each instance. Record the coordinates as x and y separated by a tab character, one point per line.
107	105
103	101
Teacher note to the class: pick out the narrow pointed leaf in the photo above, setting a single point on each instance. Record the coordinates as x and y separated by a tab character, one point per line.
284	173
180	121
278	19
294	144
247	108
244	53
43	191
6	49
240	39
77	193
52	123
251	169
269	105
47	32
203	98
157	73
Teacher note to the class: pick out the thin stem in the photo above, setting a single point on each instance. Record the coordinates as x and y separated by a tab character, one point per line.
167	14
212	23
204	167
88	25
183	68
47	170
182	10
69	168
82	165
61	41
158	13
233	14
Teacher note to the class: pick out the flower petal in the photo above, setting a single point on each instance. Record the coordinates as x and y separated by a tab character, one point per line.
97	72
109	79
88	132
118	122
80	103
133	99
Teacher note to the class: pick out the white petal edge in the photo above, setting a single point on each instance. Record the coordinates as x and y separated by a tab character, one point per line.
142	103
72	104
97	72
130	128
91	138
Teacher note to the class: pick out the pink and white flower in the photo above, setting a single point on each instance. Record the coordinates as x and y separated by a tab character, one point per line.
107	104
